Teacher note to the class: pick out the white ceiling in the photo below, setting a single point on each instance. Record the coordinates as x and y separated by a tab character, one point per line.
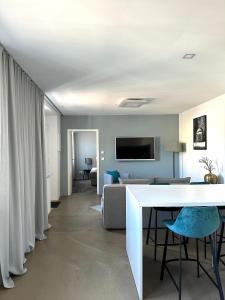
88	55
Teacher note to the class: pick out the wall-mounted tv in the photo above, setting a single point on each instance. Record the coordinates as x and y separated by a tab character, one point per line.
135	148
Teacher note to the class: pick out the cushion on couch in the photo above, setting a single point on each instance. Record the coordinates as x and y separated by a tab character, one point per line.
136	181
115	175
185	180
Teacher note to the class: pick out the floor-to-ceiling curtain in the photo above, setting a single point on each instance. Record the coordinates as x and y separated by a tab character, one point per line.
23	204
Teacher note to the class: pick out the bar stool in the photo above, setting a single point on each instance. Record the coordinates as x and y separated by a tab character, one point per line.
205	240
221	241
194	222
157	210
221	238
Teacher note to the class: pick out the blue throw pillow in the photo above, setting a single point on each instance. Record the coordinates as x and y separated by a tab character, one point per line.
115	175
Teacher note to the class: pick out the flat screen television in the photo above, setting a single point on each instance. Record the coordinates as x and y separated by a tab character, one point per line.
135	148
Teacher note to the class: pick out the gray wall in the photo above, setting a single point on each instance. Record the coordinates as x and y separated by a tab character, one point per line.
164	127
84	146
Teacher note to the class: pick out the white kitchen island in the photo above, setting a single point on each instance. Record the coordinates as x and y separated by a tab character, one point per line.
140	196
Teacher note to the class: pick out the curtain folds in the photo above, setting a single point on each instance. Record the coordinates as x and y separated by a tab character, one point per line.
23	204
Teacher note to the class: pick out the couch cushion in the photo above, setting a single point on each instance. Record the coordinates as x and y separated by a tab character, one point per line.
136	181
115	175
185	180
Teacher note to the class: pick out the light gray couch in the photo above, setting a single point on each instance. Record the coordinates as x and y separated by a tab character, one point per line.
113	201
113	204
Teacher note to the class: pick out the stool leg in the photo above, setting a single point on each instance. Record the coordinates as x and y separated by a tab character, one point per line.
185	247
149	226
180	266
172	232
197	252
220	243
205	244
156	234
215	265
164	255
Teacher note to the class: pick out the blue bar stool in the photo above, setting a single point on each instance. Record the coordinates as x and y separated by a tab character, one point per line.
205	240
158	210
194	222
221	241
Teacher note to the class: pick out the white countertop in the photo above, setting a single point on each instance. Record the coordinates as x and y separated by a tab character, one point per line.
178	195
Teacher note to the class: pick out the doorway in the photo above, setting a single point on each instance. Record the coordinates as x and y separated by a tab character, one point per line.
52	151
83	160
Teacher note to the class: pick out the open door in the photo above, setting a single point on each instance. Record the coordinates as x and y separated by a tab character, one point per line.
52	150
73	158
70	160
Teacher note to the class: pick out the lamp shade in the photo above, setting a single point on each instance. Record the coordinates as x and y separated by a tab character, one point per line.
174	147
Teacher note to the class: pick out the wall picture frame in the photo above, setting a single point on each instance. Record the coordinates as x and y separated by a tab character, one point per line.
200	133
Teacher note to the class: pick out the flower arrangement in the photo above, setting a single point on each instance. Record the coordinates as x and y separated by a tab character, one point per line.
208	164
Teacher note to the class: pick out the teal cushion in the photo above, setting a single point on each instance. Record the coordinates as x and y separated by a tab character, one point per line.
115	175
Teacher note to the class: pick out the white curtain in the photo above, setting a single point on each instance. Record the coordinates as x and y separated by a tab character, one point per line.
23	204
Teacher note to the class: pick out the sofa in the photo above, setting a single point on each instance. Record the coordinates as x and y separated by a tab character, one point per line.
113	201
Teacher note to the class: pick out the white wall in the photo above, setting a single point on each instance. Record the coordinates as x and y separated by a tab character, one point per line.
189	161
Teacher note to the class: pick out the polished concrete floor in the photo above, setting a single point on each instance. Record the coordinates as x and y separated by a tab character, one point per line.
83	186
82	261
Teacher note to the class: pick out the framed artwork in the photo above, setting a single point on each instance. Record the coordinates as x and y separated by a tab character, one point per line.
200	133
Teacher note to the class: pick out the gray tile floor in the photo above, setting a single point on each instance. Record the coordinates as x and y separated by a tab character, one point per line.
82	261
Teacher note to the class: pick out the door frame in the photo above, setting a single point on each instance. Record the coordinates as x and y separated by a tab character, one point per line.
69	156
53	169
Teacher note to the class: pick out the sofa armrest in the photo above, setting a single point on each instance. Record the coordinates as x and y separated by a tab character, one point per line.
114	206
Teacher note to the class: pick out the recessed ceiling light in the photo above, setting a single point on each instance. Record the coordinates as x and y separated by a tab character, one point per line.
130	104
189	56
135	102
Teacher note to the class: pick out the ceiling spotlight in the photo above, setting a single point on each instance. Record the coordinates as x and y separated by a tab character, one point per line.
189	56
